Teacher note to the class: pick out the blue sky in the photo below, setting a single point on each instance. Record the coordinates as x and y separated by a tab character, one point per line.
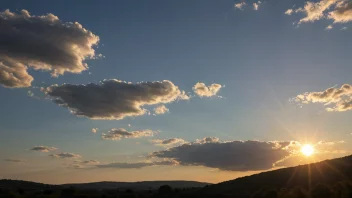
261	58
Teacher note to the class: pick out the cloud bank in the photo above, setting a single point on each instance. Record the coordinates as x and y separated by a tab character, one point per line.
231	156
206	91
335	99
113	99
41	43
43	148
118	134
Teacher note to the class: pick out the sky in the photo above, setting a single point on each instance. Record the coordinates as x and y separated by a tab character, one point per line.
171	90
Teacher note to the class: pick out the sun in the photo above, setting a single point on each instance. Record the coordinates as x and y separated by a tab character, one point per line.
307	150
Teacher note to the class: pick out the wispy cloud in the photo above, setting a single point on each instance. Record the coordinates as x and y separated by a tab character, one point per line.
256	5
121	133
240	5
13	160
168	142
43	148
329	27
65	155
138	165
289	11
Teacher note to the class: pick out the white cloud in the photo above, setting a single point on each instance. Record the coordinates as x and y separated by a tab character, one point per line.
329	27
118	134
161	109
206	91
43	148
240	5
335	99
256	5
43	43
94	130
344	28
315	10
342	13
117	99
289	12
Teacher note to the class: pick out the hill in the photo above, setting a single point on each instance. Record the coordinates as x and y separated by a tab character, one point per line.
142	185
307	176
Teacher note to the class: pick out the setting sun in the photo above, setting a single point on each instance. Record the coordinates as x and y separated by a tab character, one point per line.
307	150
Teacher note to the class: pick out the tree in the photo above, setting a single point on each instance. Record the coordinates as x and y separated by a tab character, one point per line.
165	189
321	191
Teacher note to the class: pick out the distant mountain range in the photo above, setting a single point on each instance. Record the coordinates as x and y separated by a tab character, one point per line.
142	185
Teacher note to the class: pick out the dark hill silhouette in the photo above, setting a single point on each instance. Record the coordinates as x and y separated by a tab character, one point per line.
142	185
307	176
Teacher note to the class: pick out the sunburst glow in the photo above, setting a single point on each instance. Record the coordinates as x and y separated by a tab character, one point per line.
307	150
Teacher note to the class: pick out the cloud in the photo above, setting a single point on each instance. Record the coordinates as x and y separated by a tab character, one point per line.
206	91
335	99
168	142
13	160
90	162
207	140
138	165
289	11
329	27
161	109
114	99
65	155
43	148
315	10
94	130
42	43
78	164
118	134
240	5
344	28
342	12
232	155
256	5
